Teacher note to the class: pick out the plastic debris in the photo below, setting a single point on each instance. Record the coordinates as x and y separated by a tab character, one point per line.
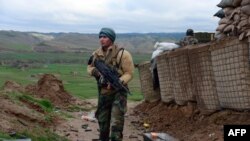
88	118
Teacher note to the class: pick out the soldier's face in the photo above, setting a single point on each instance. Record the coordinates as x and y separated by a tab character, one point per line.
105	41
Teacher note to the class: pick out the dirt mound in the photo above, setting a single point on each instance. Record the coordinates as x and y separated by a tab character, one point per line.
186	122
16	116
51	88
48	87
24	112
12	86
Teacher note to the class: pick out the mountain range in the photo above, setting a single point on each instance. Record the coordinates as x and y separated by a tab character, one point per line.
79	42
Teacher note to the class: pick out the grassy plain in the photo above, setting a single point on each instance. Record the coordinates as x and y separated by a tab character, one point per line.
74	75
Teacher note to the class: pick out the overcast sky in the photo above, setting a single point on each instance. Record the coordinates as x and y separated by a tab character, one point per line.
125	16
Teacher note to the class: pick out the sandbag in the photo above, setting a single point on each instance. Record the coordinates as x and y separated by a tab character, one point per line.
165	45
237	3
246	9
242	29
235	11
217	35
220	14
225	21
228	11
242	24
236	18
248	33
242	36
243	16
221	27
245	2
228	29
225	3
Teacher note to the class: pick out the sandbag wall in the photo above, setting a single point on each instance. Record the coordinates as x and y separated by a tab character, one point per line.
203	78
230	60
165	78
235	20
150	95
180	76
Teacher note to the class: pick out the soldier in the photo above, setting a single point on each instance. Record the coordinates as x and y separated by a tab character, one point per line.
189	39
112	105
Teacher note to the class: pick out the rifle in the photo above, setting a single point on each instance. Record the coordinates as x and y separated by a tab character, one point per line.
111	75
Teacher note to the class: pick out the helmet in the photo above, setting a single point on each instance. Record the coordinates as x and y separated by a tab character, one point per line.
190	32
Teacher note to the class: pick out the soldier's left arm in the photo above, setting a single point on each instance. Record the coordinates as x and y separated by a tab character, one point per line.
127	66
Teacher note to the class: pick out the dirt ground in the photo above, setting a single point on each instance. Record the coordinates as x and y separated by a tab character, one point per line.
184	123
74	130
22	114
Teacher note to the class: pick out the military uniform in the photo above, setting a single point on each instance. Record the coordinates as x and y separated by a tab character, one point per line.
112	105
188	40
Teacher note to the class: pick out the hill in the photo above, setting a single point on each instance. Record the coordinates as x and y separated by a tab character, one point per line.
78	42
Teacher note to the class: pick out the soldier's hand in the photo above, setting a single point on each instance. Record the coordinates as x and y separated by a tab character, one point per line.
102	80
96	73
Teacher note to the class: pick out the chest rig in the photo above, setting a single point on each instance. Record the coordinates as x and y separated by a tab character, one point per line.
111	59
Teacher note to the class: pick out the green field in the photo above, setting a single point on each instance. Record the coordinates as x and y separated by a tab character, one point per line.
80	85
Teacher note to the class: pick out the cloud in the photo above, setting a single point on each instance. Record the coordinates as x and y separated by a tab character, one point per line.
122	15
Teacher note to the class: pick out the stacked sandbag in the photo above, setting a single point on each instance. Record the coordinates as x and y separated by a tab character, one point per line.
165	78
150	94
236	19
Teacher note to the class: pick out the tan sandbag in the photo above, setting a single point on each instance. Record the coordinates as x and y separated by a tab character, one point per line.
243	16
228	29
248	33
228	11
237	3
236	18
221	27
225	3
242	23
225	21
219	35
242	36
245	2
246	9
235	11
242	29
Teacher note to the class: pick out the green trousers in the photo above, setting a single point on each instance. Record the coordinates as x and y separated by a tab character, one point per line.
110	114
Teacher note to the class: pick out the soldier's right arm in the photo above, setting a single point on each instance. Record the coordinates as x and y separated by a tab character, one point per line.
91	69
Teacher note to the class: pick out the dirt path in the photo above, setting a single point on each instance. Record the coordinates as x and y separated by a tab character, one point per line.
74	131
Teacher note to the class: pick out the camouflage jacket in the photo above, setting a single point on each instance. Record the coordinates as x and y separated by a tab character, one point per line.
188	40
112	57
